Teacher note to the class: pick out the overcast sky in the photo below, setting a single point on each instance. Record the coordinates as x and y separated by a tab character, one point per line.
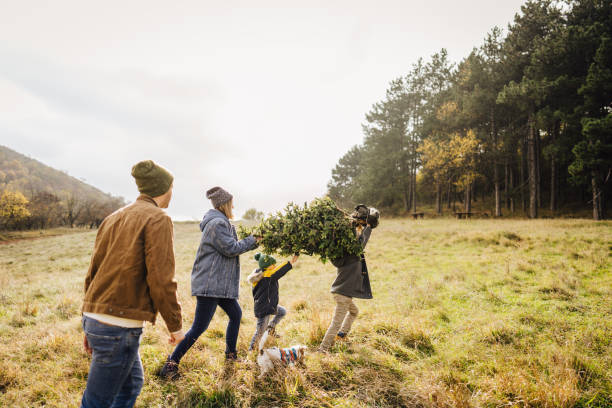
261	98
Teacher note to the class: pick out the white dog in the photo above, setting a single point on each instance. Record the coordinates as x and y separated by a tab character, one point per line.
267	358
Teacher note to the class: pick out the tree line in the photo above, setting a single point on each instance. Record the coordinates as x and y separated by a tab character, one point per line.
46	210
525	120
36	196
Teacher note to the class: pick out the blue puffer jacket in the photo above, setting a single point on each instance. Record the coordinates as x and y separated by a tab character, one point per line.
216	269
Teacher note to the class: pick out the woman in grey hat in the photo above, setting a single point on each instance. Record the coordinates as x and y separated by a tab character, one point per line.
215	277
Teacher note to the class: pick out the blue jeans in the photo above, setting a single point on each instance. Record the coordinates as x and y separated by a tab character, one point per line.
262	324
205	310
115	375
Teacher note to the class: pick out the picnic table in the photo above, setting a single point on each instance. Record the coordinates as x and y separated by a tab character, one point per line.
417	215
468	214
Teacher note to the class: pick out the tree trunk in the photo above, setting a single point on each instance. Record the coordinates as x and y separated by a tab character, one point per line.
522	176
506	184
553	170
511	196
496	182
483	194
597	207
538	146
468	197
438	198
448	194
553	185
414	204
498	198
532	166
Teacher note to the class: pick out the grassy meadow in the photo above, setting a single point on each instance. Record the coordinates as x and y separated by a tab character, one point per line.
477	313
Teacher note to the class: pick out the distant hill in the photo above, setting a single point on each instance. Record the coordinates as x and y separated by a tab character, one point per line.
36	196
29	176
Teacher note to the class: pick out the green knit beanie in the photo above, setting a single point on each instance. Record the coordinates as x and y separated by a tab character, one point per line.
264	260
151	178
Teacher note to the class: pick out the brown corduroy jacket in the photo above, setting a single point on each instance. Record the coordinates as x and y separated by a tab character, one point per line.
131	274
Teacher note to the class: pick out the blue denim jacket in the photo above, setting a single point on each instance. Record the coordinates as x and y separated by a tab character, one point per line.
216	269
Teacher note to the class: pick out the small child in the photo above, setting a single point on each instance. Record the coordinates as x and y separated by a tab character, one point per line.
265	293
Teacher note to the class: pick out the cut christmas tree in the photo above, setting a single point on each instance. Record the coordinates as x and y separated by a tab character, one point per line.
320	229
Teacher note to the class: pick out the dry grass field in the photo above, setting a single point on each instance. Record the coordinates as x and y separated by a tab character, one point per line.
478	313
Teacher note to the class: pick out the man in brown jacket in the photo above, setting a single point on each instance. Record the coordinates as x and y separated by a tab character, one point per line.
130	279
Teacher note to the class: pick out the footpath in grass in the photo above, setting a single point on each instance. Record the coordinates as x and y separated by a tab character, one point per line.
465	313
12	236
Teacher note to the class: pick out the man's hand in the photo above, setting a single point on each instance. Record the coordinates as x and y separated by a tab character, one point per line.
258	238
176	337
294	259
86	346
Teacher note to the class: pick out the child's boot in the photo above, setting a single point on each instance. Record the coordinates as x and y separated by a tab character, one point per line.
272	332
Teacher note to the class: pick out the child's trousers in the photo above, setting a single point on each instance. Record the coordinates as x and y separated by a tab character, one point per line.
262	324
344	316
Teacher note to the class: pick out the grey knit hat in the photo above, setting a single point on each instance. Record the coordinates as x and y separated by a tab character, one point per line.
151	178
218	196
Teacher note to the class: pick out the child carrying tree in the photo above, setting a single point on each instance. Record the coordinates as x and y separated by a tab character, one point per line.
352	280
265	293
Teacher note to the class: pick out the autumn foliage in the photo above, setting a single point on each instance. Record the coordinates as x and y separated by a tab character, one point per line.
13	208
